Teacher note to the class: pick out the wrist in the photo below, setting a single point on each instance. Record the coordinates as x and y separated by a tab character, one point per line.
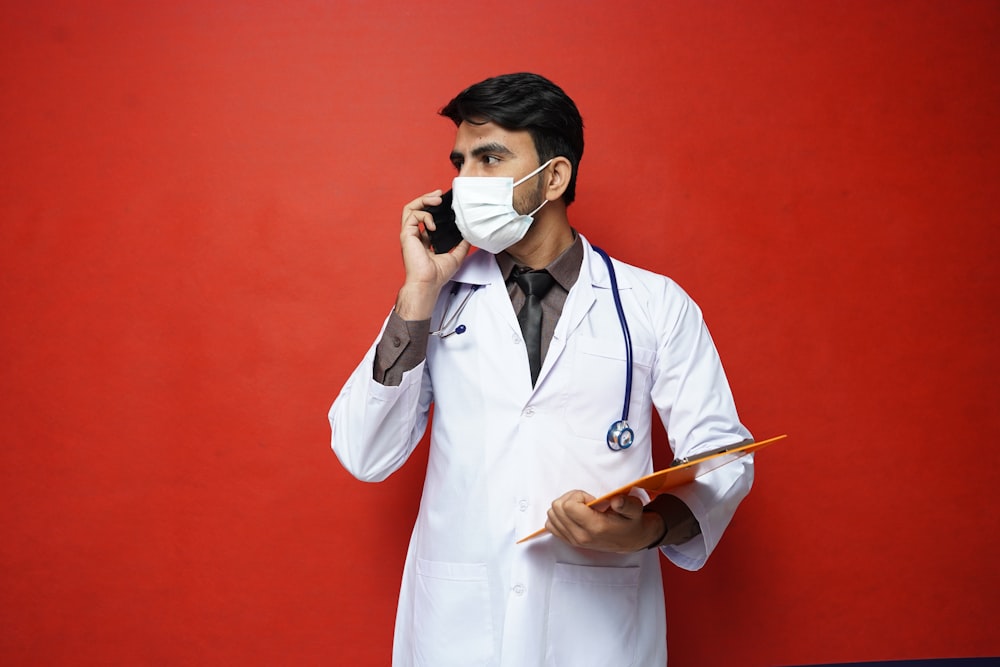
660	526
416	301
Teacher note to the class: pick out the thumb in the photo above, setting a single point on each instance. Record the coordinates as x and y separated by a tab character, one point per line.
629	507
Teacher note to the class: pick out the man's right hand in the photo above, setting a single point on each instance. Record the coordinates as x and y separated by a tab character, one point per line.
426	271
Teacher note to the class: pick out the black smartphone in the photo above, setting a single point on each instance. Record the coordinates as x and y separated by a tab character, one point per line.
446	236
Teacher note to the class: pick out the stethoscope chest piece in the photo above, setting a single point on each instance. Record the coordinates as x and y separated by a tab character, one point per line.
620	436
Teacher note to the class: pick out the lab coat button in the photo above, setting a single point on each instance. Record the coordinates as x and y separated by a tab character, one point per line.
519	589
523	506
529	412
515	339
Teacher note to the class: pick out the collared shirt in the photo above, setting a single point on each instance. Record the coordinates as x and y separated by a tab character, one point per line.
404	343
565	269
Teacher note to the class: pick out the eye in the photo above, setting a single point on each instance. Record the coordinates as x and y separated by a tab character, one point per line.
491	160
457	163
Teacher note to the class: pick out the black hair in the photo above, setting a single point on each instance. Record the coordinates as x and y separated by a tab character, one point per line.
526	101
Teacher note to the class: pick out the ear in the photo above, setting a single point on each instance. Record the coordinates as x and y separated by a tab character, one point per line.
559	173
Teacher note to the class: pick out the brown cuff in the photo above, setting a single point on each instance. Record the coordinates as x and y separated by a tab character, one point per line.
679	524
402	347
666	528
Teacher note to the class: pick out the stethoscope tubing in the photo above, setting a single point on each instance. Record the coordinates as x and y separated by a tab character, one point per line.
626	334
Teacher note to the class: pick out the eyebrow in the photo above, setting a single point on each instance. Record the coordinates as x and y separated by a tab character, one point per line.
482	149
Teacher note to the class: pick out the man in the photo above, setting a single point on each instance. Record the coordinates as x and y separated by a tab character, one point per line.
521	428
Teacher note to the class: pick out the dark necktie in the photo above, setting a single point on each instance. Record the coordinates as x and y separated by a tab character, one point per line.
534	284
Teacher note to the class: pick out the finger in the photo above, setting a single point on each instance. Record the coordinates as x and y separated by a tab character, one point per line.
415	218
629	507
430	199
565	529
556	518
574	497
460	251
412	227
569	514
575	506
554	524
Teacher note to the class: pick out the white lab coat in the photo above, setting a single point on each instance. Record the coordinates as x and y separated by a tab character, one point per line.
501	451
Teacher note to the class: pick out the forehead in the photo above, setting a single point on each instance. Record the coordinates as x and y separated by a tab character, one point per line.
470	136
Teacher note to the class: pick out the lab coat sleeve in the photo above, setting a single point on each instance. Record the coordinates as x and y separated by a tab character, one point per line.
692	395
375	427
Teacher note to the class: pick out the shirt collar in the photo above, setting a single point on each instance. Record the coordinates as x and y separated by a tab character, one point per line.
565	268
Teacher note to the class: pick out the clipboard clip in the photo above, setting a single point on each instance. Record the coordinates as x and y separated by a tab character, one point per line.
707	454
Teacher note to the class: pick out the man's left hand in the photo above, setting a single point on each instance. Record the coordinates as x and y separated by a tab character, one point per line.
617	526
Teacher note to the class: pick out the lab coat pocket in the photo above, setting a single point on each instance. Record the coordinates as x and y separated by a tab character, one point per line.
592	616
452	622
597	392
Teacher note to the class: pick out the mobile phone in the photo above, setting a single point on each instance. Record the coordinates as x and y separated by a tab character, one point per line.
446	235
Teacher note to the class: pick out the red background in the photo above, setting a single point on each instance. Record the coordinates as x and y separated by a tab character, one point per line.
191	194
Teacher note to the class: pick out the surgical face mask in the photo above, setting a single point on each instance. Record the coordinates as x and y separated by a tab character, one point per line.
484	210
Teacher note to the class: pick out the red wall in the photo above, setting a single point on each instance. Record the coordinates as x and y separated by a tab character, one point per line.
198	222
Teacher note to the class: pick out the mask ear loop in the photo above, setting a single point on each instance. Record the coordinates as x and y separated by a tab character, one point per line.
534	172
544	201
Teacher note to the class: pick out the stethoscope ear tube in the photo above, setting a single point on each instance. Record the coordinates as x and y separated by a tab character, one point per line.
620	436
449	326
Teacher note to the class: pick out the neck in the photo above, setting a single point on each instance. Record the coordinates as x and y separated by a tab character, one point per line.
548	237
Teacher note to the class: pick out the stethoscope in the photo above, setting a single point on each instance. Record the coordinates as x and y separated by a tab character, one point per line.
448	327
620	435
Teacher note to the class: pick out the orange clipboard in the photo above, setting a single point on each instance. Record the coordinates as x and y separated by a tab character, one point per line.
684	471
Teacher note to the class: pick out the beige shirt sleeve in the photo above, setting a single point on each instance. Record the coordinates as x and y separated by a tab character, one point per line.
402	347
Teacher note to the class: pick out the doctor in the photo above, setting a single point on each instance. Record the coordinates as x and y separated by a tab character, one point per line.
520	433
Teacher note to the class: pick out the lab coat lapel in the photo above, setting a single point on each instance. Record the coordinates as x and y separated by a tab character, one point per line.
481	269
579	302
